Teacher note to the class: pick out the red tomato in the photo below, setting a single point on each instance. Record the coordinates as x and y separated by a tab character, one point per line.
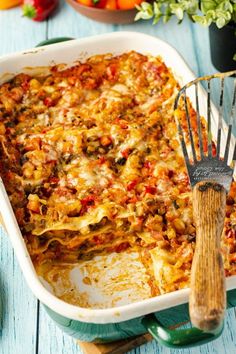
128	4
101	4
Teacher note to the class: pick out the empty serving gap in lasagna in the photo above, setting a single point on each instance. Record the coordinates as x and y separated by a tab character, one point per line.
92	164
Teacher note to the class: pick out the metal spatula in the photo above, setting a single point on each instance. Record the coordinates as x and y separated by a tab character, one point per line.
210	161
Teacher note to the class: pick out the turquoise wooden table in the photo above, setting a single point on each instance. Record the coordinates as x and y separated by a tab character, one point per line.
26	329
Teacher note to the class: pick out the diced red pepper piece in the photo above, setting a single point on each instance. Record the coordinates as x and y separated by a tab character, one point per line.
125	153
88	201
25	85
112	72
48	102
131	185
147	164
150	190
101	160
122	247
54	180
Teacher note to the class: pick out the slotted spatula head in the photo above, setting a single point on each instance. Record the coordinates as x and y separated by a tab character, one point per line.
213	162
208	147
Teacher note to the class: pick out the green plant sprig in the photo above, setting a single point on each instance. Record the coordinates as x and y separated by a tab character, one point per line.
205	12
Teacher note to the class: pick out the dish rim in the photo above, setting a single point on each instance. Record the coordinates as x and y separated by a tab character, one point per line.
98	316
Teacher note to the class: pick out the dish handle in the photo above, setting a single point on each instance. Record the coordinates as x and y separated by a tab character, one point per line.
178	338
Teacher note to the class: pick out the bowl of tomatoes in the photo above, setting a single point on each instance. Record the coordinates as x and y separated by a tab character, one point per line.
108	11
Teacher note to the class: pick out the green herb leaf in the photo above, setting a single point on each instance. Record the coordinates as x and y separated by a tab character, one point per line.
220	22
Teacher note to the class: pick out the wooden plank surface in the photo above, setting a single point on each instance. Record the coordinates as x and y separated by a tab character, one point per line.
118	347
19	315
26	327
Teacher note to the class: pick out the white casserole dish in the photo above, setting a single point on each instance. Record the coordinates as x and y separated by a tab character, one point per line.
69	52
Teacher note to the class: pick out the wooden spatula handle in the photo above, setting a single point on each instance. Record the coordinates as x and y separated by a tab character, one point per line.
207	297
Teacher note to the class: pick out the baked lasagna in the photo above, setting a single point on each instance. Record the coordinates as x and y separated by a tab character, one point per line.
92	164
